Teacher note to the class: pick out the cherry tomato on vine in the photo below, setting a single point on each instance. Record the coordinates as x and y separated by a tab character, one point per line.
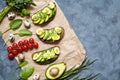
25	48
26	42
15	52
35	45
11	56
15	45
30	46
20	43
9	48
20	50
31	40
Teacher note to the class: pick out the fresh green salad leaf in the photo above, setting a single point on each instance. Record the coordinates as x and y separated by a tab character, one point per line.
15	24
26	73
24	32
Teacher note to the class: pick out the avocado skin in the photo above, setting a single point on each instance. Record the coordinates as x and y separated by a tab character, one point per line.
62	68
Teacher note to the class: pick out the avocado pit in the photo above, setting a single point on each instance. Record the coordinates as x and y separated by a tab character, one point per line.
54	71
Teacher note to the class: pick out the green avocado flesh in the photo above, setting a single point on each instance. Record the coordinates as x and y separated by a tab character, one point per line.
53	34
47	55
54	71
43	15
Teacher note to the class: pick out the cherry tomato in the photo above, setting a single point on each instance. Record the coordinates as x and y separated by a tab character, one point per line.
20	43
30	46
11	56
31	40
25	48
14	45
9	48
35	45
26	42
20	50
15	52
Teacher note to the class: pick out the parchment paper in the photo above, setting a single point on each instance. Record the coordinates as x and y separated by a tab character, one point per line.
72	51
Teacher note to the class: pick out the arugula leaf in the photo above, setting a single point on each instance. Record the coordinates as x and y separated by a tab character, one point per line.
26	73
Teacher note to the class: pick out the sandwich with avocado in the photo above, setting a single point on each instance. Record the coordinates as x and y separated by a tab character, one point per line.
45	15
52	35
46	56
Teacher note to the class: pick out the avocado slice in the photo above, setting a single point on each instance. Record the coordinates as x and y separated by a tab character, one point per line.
42	35
36	18
50	13
46	34
35	56
52	53
47	18
50	34
40	57
38	60
54	71
37	21
46	10
42	17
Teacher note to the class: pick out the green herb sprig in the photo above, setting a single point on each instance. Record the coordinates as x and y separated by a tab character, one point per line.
20	6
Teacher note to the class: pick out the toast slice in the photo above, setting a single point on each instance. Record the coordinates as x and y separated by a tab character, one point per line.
45	15
46	56
51	36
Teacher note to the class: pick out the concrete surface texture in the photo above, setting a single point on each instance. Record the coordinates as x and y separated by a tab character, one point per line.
97	24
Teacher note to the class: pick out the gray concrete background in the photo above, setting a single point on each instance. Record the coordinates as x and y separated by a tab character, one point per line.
97	24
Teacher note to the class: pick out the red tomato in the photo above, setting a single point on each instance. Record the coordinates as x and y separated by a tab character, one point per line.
11	56
26	42
35	45
31	40
20	50
20	43
9	48
25	48
15	52
30	46
14	45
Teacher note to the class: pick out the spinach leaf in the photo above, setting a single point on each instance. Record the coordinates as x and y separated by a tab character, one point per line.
26	72
15	24
24	32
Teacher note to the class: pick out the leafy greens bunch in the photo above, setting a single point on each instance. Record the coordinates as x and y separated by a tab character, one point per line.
20	6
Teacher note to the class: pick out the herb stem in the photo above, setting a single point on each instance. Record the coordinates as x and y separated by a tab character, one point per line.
6	31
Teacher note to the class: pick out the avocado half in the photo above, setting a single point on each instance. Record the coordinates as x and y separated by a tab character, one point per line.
56	73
